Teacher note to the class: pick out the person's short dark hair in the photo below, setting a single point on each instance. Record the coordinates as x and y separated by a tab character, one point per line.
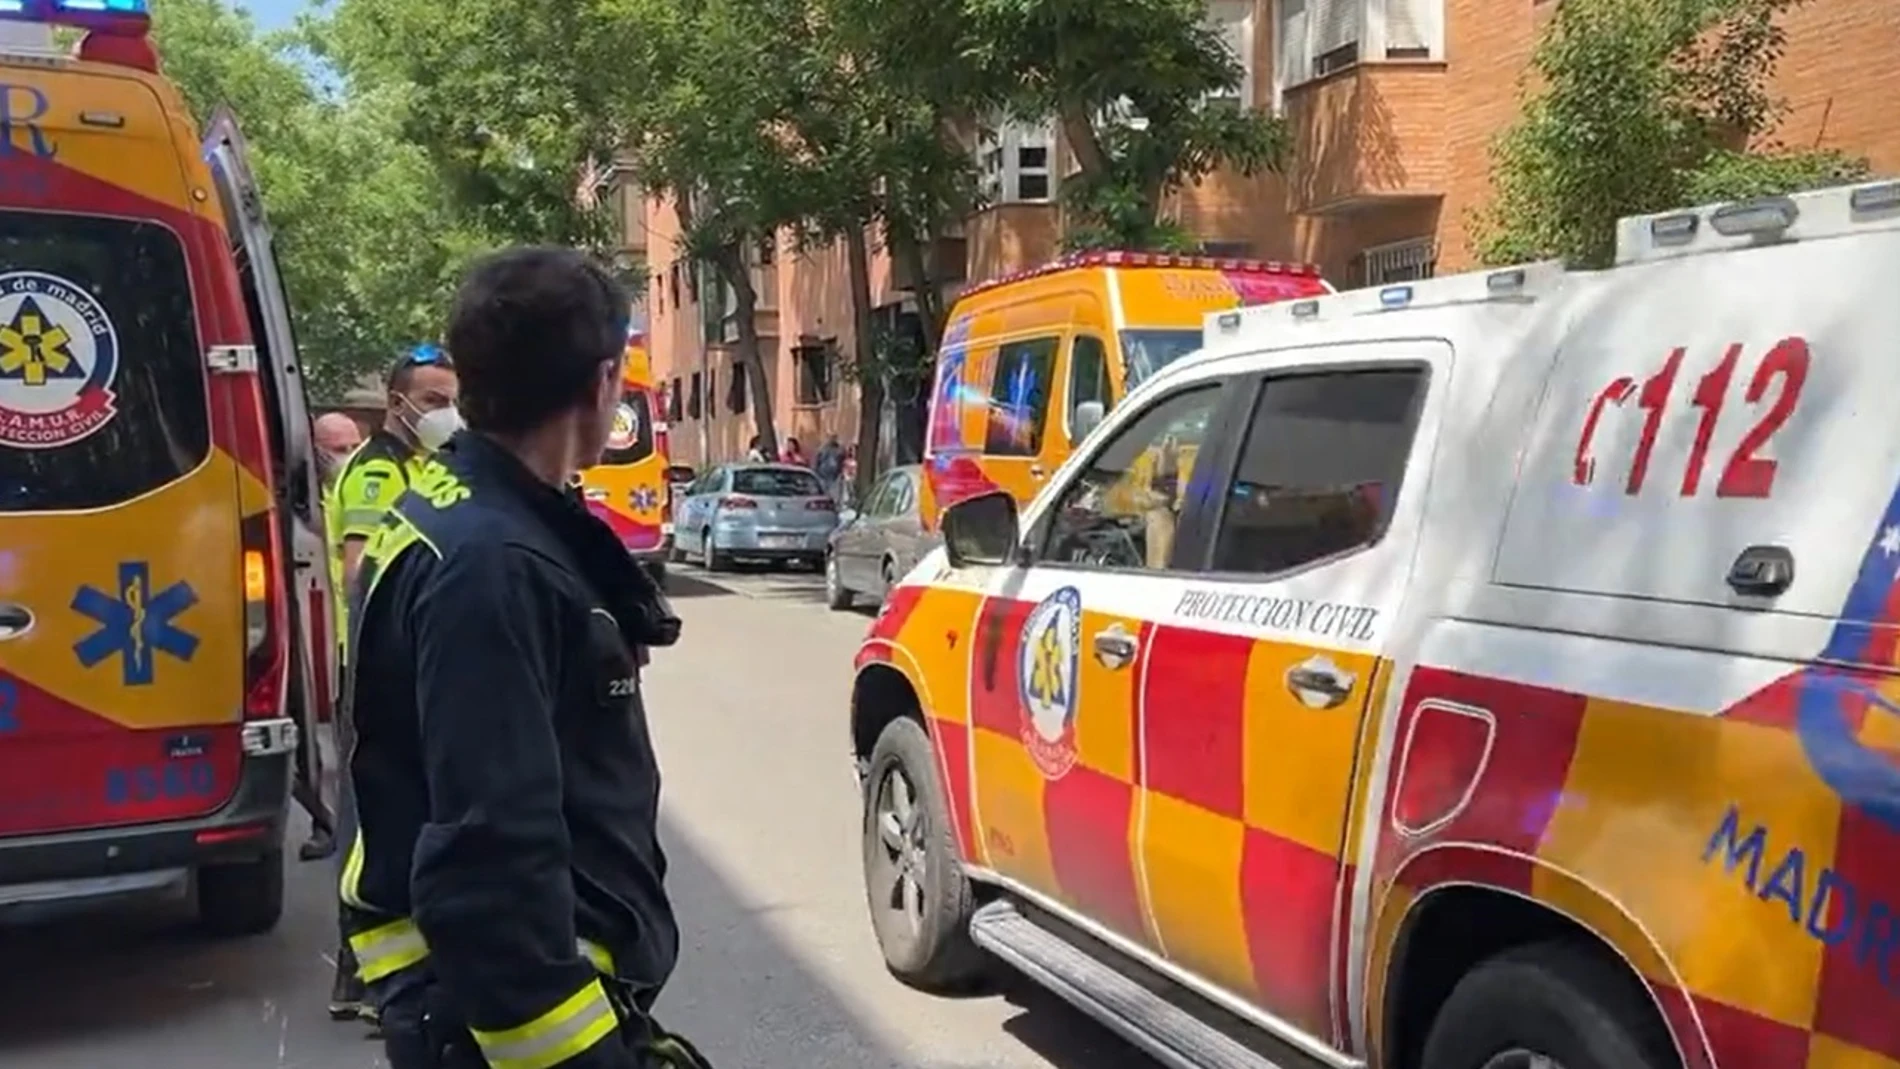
530	328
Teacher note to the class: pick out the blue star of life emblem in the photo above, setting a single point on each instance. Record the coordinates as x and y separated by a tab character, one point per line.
136	624
645	498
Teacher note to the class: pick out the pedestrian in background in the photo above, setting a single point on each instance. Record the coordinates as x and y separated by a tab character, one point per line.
828	465
507	895
793	453
755	450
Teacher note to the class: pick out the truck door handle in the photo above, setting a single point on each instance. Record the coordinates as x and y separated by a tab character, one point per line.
15	620
1762	571
1318	683
1114	647
1036	471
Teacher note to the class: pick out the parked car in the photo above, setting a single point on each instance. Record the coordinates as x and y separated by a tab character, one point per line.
874	548
770	512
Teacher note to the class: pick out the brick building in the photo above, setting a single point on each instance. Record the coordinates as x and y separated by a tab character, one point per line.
1394	104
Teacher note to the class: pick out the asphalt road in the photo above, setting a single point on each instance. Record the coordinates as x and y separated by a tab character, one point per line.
779	968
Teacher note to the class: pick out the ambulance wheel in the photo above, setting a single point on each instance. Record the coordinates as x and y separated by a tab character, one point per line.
1550	1006
913	879
246	898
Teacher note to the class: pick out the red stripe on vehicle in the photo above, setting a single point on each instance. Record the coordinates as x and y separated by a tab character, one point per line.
1853	907
1286	896
952	741
1087	818
1193	716
995	697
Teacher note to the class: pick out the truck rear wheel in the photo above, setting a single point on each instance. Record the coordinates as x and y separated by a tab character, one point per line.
1550	1006
244	898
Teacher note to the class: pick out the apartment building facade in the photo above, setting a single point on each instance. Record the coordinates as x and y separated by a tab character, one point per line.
1394	105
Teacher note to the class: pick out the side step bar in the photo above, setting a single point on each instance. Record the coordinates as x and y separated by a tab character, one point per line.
1173	1036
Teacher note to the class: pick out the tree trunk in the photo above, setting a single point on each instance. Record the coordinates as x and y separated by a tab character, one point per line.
732	267
929	294
870	369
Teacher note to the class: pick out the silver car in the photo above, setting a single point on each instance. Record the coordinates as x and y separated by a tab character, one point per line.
772	512
873	549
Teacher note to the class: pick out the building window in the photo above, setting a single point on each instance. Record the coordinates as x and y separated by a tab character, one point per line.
768	250
675	406
692	398
1013	162
813	364
673	282
1401	261
1233	20
1314	38
735	389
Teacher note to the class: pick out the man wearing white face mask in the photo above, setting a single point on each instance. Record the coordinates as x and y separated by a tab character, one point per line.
420	417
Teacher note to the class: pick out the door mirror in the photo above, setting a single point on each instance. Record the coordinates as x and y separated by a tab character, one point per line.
981	530
847	517
1088	416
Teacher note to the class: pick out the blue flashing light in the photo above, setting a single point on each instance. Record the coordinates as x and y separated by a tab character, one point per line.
1395	296
105	7
12	7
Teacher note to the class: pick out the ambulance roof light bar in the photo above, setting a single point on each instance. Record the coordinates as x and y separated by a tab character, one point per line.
1124	258
115	29
1522	283
1821	213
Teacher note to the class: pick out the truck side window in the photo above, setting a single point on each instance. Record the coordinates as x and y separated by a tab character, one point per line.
1019	397
1088	378
1320	468
1121	510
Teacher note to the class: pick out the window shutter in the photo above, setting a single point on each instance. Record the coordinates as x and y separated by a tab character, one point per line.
1233	20
1295	62
1411	26
1335	24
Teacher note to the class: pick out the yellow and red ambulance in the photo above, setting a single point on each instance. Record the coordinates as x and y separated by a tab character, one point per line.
1031	361
628	488
163	603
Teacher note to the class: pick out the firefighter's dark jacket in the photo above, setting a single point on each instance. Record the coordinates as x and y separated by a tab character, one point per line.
503	771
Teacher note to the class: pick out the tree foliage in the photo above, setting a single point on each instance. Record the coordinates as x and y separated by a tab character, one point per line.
1643	106
367	246
1141	90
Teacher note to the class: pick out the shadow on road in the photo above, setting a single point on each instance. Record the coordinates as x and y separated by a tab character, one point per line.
748	999
132	986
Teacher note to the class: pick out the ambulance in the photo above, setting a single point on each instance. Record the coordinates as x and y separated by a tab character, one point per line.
1518	687
164	627
628	489
1031	361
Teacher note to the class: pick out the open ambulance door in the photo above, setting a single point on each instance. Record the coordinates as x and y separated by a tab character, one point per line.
313	681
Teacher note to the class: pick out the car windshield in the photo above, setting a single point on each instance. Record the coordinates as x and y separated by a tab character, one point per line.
1145	352
776	482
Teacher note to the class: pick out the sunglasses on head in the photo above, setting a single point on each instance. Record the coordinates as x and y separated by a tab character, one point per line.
424	355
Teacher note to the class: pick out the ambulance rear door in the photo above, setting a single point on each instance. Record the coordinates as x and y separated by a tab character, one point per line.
299	482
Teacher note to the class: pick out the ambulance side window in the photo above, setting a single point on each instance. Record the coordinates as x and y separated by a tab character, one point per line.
1121	511
1019	397
1319	468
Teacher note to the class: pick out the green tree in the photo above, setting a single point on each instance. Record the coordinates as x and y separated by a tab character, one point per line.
1129	83
1643	106
365	242
506	97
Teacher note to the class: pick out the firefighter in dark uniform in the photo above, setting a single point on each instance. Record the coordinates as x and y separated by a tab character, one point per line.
506	887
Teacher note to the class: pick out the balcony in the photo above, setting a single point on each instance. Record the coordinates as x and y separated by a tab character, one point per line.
1010	237
945	259
1368	136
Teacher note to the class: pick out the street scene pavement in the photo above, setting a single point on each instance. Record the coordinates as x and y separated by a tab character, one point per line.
778	963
